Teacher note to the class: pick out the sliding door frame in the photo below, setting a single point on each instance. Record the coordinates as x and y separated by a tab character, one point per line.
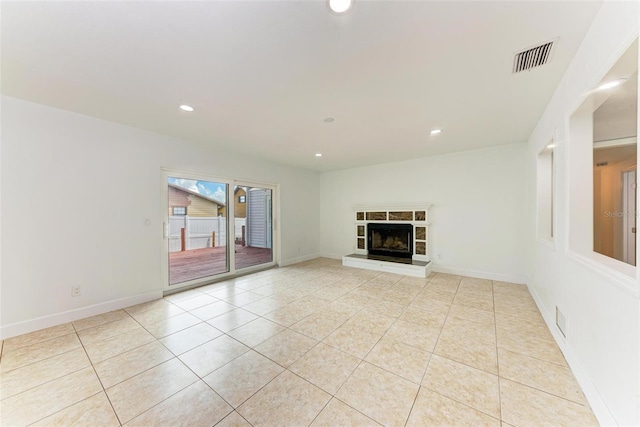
230	232
275	230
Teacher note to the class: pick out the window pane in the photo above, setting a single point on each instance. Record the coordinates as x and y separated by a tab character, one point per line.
545	192
253	225
197	242
614	172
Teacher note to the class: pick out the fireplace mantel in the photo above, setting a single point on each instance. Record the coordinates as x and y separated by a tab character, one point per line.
416	215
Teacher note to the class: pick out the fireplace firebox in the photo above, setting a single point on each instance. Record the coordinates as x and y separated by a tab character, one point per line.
390	240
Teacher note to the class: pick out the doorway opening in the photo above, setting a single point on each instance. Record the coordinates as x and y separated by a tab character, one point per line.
211	232
197	220
253	226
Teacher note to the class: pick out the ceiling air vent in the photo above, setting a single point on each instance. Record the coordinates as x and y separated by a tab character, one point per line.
533	57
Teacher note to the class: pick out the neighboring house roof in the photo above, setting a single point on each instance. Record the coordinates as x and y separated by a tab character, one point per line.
193	193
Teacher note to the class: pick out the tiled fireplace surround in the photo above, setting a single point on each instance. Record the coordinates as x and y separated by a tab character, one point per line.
417	216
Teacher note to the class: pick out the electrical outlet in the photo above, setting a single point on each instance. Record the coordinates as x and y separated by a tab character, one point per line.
440	256
76	291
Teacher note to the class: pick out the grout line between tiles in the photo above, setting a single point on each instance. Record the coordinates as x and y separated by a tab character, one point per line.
461	403
299	292
230	414
257	391
46	358
66	407
104	390
162	401
45	382
433	351
321	410
346	404
13	350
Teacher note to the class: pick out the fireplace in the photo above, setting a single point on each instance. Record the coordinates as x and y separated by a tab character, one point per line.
390	240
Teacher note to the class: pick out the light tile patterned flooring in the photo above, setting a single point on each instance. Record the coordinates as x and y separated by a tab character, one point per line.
310	344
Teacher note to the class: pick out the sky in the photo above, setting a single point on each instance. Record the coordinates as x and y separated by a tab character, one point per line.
214	190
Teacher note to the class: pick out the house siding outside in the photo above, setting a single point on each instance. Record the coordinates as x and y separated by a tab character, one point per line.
196	206
202	208
240	208
178	198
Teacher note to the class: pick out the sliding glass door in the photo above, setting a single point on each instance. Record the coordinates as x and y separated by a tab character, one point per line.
197	229
211	232
253	224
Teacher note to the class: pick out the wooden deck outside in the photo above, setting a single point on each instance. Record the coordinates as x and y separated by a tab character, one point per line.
198	263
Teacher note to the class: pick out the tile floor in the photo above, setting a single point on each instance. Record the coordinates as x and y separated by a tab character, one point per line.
311	344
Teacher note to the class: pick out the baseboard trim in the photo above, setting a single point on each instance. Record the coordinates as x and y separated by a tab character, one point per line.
332	256
521	280
24	327
296	260
598	405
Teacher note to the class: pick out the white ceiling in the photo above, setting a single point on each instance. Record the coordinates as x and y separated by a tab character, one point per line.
264	75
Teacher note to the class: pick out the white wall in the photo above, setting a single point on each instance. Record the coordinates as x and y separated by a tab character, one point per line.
478	215
75	192
602	307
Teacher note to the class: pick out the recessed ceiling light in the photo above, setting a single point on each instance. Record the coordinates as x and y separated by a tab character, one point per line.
328	120
188	108
611	84
436	131
340	7
318	154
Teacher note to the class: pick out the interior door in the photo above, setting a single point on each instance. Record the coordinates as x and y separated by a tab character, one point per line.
629	220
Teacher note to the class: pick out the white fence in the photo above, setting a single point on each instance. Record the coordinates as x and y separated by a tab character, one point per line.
198	232
240	222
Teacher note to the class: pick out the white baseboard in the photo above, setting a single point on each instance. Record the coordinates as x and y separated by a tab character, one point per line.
598	405
299	259
439	268
331	256
24	327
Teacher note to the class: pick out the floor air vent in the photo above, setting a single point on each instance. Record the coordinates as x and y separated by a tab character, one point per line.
533	57
561	322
